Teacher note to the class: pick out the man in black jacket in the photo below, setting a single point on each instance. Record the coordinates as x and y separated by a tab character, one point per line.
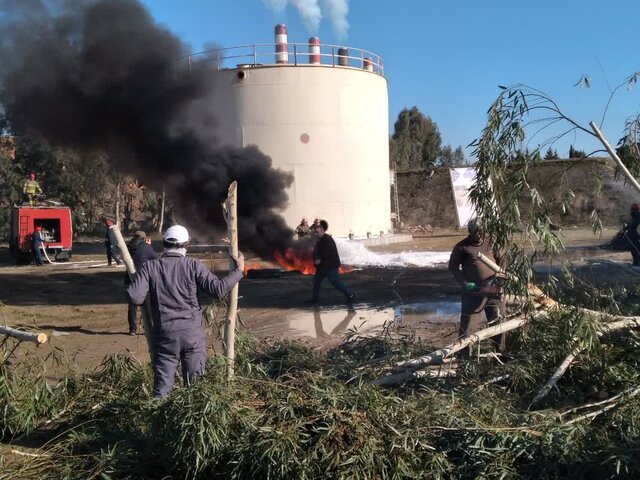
141	251
632	234
327	262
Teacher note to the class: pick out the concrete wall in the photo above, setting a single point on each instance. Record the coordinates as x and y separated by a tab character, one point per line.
327	125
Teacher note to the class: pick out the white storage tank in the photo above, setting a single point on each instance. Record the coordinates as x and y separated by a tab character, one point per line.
321	113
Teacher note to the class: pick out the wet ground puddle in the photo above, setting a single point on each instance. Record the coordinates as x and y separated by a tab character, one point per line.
365	320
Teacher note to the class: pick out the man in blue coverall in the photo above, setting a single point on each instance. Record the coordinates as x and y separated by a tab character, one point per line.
172	282
37	242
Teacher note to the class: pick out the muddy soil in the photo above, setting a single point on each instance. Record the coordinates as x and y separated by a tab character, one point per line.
82	306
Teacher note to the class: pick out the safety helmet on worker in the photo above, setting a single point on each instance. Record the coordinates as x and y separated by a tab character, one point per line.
32	175
635	207
176	235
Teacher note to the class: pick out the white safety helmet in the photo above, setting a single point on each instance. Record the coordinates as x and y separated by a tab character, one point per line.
176	234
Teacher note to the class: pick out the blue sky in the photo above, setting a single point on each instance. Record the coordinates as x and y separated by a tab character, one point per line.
447	57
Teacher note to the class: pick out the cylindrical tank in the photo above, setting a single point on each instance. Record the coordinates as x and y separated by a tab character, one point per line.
326	125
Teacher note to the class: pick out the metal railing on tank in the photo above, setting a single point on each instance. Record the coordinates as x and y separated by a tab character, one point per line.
292	54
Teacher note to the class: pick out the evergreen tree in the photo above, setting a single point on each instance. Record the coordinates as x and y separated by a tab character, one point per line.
551	154
415	142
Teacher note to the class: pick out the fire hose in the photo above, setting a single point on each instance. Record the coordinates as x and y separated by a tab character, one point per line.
44	250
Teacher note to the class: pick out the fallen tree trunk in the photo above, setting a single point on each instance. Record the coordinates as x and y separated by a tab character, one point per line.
626	322
37	338
409	368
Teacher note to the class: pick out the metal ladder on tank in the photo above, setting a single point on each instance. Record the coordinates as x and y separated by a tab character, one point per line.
396	203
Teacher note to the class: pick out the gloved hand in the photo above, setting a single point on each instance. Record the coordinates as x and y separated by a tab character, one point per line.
471	287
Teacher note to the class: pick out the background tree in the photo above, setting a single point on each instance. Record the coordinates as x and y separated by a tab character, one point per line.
449	157
573	153
551	154
415	142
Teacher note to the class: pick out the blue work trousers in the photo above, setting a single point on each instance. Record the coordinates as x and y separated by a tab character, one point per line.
185	346
334	279
37	255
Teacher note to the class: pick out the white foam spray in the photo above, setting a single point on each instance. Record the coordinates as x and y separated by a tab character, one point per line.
356	254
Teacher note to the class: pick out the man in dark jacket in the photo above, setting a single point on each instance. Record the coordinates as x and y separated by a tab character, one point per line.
632	234
141	251
327	262
479	292
172	282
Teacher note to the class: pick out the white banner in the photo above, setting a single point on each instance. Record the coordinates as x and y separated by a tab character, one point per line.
461	181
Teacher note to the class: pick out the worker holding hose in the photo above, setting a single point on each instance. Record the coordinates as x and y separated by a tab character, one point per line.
479	291
37	243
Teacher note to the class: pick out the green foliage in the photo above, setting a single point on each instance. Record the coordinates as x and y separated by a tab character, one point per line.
290	414
503	180
415	143
449	157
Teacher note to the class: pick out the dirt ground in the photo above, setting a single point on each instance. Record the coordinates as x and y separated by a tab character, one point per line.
81	304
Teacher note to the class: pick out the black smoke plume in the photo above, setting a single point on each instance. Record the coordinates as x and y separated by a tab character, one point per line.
103	75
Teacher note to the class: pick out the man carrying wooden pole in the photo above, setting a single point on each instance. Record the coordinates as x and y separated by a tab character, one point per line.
172	282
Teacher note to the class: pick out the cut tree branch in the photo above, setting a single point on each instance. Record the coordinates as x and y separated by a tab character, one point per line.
37	338
627	322
131	271
615	156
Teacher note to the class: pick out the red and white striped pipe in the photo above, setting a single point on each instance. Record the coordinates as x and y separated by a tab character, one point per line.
314	51
282	53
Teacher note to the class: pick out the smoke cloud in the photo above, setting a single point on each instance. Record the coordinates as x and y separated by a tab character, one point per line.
312	13
338	11
102	75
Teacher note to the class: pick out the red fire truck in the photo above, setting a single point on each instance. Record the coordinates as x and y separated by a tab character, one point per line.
55	220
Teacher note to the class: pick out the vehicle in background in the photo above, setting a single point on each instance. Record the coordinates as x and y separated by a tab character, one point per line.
55	220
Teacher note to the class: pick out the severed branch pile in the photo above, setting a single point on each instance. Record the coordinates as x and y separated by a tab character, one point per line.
538	305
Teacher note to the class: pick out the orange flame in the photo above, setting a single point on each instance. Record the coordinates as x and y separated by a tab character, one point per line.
300	261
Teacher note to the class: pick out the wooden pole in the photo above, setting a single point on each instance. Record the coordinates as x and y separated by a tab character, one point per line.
37	338
230	207
161	222
131	271
615	156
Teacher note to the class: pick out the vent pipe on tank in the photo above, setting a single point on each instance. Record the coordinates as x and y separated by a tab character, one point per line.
282	53
343	57
314	51
367	64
